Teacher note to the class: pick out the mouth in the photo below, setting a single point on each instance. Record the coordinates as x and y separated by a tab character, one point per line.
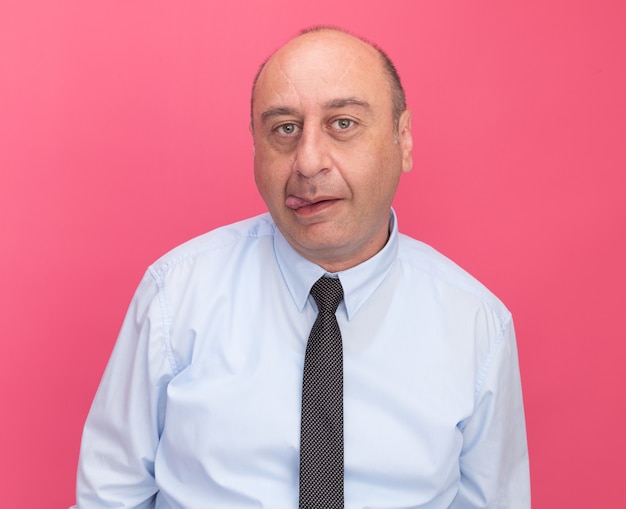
304	207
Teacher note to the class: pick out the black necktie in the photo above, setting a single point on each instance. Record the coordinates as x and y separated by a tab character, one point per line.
321	434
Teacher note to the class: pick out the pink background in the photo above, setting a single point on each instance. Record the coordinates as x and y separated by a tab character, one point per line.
123	132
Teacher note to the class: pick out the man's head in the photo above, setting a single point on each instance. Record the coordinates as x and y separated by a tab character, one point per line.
332	136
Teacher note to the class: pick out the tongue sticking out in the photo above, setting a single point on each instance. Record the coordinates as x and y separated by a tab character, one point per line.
293	202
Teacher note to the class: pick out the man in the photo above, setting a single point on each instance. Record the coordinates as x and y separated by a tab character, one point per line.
203	404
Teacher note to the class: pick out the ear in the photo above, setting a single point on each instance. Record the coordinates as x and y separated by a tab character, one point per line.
406	140
251	129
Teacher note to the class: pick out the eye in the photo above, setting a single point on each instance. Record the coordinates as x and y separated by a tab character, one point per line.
342	124
287	129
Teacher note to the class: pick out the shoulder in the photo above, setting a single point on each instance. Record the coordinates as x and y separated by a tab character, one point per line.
217	248
424	265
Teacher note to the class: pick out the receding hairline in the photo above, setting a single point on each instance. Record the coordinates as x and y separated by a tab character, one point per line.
397	91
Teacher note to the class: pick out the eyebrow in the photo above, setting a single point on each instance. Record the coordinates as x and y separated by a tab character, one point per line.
342	103
276	112
330	105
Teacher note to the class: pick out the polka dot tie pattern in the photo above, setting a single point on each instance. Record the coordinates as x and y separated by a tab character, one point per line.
321	434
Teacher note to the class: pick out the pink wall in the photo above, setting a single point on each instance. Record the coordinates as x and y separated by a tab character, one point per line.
123	131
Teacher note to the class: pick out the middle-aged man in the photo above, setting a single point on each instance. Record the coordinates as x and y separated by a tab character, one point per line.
227	390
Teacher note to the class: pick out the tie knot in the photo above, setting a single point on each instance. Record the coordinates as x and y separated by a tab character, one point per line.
328	293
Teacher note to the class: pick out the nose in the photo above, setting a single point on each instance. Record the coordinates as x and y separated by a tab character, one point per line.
313	154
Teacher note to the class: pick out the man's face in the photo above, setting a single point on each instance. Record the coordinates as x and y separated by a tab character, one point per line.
327	158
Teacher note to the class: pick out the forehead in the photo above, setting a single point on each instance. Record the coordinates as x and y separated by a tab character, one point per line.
319	67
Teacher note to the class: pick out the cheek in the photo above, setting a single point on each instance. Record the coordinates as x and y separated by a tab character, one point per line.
262	180
377	179
270	175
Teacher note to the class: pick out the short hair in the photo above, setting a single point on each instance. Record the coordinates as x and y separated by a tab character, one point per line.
398	96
